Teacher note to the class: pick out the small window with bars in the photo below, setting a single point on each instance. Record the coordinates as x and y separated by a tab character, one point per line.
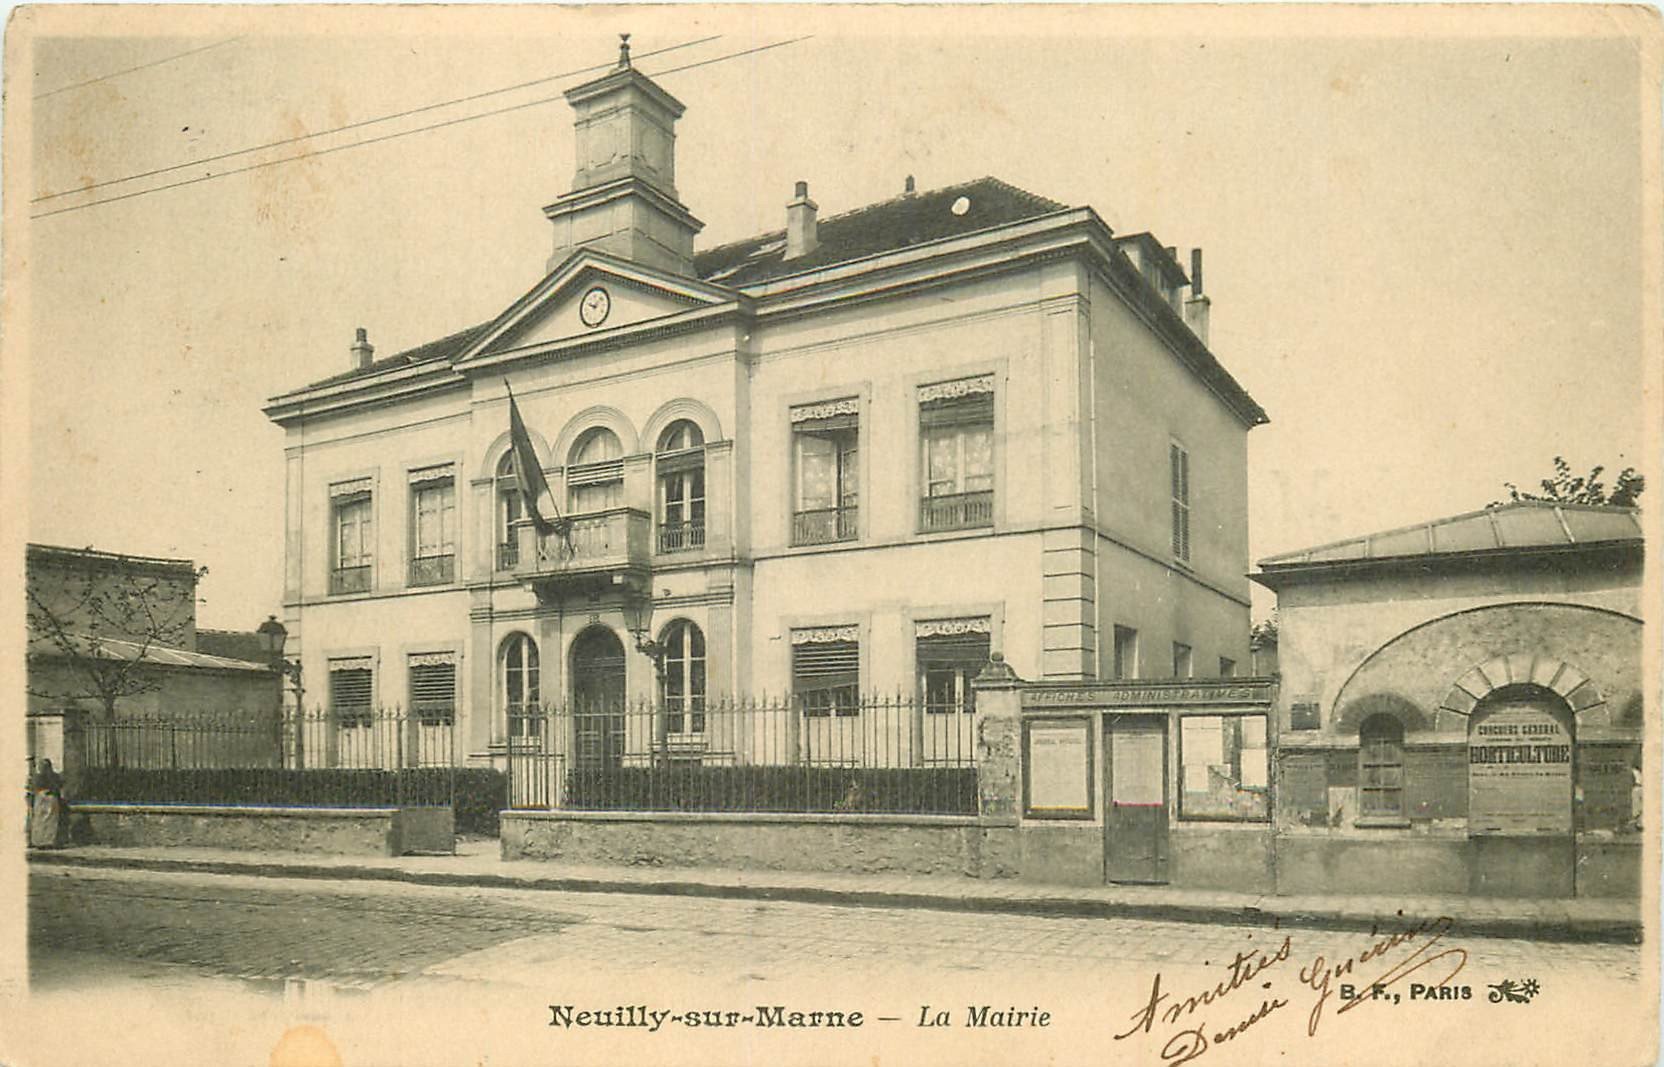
1381	770
826	674
433	690
351	694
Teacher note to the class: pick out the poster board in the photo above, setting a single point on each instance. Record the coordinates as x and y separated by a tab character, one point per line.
1519	773
1057	769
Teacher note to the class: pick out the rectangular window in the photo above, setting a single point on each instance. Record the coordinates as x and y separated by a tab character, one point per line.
826	671
432	526
353	543
1227	667
956	445
433	688
825	440
950	653
1182	660
1126	652
1381	771
1224	767
351	689
1179	464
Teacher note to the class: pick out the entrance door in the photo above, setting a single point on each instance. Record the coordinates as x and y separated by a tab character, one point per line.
1135	817
598	697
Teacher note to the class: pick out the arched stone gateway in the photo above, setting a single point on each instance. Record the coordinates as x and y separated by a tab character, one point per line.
1575	687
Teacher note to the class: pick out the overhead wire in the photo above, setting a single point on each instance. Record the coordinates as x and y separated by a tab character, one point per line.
354	125
130	70
385	137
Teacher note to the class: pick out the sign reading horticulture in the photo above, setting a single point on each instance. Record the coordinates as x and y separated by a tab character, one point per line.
1519	773
1058	782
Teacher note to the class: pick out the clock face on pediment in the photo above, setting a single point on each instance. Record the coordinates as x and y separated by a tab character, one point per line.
590	300
595	306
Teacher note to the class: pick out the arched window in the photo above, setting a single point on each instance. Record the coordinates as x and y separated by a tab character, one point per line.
595	472
1381	769
509	510
684	678
680	459
520	686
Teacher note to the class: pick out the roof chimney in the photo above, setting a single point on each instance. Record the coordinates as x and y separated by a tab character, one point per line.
1196	308
802	231
362	349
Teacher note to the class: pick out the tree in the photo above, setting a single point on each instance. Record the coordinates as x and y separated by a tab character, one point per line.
1264	632
97	621
1566	488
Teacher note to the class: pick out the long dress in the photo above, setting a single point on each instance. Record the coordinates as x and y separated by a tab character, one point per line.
46	821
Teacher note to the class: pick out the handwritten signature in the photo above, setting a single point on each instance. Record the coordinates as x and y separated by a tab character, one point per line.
1320	976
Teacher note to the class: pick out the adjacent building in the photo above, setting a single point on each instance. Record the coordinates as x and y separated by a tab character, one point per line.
1460	707
857	453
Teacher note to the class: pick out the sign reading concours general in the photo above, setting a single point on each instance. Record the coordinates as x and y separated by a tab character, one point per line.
1520	773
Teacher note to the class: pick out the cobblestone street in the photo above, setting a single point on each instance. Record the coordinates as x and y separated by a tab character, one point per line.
428	951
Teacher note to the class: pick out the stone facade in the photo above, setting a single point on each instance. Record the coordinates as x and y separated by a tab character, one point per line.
754	364
1392	664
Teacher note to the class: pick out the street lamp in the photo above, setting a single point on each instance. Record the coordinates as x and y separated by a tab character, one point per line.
272	636
638	619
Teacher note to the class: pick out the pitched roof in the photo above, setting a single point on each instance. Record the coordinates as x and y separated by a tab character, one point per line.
431	352
1521	525
160	655
909	219
232	644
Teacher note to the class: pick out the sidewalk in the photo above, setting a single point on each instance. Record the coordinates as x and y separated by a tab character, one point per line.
478	864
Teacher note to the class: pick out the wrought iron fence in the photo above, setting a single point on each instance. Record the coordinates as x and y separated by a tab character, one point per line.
888	755
361	757
432	570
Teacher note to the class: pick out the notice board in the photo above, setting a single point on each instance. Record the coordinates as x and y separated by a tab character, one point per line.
1057	762
1519	773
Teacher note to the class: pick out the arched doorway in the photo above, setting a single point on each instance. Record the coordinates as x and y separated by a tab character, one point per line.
1520	781
598	698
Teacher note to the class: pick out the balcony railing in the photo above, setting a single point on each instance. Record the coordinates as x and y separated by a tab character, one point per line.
602	541
432	570
350	579
508	556
681	536
825	525
957	511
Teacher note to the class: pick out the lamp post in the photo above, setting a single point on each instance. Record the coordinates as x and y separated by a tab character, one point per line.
638	619
273	636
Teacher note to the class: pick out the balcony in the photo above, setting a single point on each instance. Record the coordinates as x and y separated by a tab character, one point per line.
681	536
592	548
825	525
350	580
508	556
956	511
433	570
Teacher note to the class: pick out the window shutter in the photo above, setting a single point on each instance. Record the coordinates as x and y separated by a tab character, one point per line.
972	409
433	688
825	665
350	692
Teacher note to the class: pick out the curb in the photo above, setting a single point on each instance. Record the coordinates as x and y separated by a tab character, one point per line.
1533	929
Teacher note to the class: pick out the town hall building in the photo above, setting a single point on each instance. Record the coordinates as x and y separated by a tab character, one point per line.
858	453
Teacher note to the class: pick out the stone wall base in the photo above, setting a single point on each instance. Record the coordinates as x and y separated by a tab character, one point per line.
853	844
331	831
1458	866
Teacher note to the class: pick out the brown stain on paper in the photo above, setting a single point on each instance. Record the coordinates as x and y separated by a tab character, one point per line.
304	1046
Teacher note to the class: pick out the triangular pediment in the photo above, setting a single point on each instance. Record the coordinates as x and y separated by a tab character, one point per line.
592	294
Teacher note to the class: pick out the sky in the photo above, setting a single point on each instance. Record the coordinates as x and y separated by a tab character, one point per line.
1423	229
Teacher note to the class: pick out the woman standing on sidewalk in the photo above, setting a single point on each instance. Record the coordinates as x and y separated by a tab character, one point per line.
47	824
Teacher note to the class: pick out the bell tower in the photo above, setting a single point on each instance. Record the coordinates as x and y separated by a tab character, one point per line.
623	197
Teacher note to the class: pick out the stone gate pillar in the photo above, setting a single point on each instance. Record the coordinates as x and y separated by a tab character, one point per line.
999	755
